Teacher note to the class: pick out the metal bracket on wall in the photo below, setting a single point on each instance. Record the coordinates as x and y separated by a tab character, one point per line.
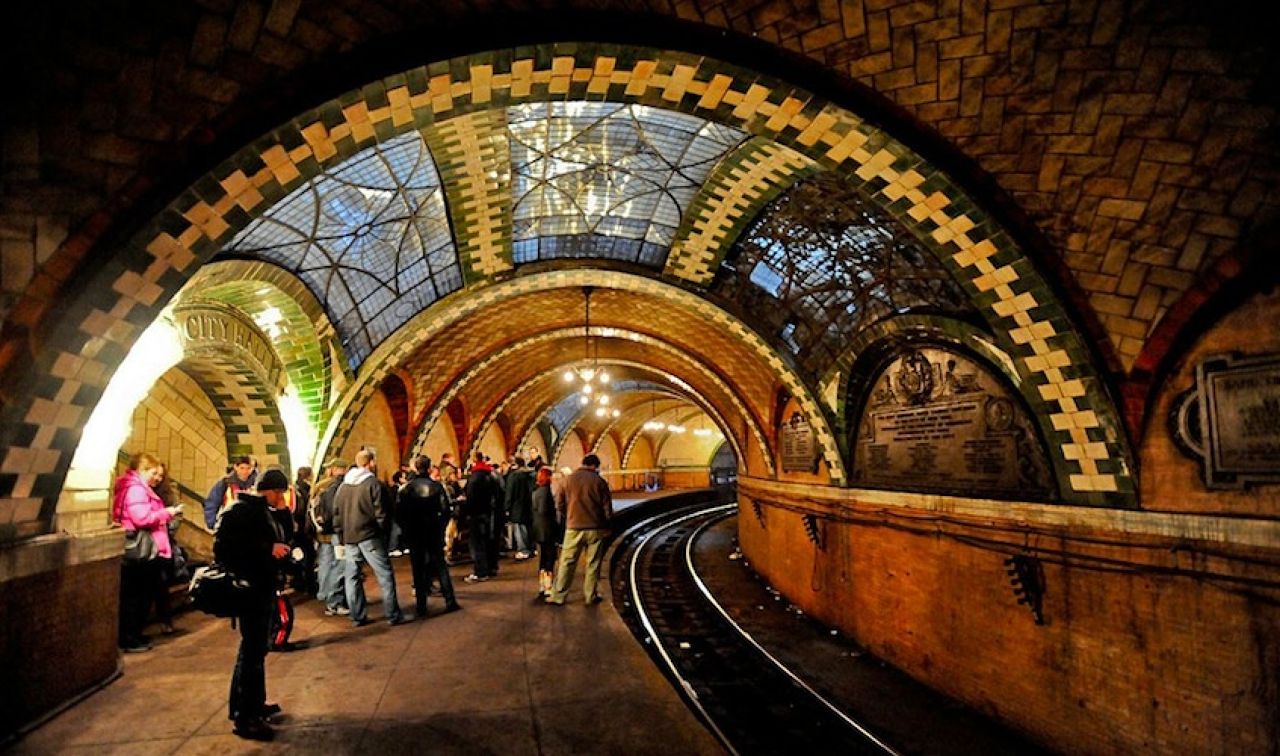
1026	575
812	530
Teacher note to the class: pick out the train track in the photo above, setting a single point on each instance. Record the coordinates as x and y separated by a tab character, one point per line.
746	697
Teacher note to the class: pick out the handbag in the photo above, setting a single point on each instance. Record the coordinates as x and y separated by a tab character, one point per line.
140	546
214	590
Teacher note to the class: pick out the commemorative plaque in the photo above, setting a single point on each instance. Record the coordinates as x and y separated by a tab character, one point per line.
937	421
799	447
1239	414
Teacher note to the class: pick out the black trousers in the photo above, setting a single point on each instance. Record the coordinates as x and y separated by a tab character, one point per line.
249	681
482	554
138	585
426	556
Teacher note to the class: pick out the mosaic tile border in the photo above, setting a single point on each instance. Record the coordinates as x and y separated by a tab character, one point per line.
41	427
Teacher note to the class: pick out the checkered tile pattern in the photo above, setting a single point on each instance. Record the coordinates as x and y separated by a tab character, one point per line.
739	188
473	157
1086	434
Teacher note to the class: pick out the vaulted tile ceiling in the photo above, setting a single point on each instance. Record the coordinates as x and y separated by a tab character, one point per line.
375	237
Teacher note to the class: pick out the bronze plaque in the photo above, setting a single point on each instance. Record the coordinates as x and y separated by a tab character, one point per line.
799	447
1239	402
937	421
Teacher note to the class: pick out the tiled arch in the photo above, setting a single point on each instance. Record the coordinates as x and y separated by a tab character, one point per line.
511	355
244	402
1012	296
524	387
303	346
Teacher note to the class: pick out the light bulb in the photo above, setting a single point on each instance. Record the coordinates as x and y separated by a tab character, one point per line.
702	431
586	389
588	374
604	377
568	376
617	412
604	398
583	400
600	411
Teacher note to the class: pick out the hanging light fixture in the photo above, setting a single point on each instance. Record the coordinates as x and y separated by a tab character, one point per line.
590	379
653	423
702	429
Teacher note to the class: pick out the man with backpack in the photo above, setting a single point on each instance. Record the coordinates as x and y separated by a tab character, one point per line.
328	567
250	545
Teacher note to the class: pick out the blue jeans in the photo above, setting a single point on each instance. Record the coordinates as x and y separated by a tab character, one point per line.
374	552
330	571
520	537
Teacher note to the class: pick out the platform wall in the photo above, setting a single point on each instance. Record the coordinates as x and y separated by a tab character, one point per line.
1130	658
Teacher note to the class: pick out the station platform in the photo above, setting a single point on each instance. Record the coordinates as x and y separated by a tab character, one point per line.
508	675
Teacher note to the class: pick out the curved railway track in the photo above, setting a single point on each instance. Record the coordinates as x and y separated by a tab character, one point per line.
747	698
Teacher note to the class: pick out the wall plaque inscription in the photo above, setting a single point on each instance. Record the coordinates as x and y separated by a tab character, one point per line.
1239	406
935	420
799	446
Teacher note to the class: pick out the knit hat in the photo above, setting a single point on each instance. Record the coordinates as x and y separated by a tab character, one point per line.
273	480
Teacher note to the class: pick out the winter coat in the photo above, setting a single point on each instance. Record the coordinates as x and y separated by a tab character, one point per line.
142	509
244	541
483	495
223	493
360	512
519	494
584	501
422	509
546	529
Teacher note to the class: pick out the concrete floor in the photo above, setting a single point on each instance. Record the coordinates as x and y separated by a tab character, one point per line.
506	675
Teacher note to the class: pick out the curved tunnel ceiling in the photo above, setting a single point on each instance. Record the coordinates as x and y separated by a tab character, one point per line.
452	191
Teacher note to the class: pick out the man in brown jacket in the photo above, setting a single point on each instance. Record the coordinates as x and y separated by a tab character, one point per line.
585	506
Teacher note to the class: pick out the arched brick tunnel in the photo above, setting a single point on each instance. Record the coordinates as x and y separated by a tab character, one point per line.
792	220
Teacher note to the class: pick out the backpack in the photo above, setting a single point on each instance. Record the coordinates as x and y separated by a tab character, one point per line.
214	590
322	509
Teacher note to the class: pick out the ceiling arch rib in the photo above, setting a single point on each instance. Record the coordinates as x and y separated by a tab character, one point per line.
551	376
554	346
720	328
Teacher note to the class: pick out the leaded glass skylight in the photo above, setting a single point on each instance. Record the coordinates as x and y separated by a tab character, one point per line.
821	263
370	238
598	179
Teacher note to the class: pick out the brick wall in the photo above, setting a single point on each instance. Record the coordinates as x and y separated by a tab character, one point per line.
178	423
1131	659
1172	481
375	428
58	638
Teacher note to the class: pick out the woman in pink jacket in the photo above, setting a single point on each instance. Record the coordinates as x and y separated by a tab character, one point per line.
139	508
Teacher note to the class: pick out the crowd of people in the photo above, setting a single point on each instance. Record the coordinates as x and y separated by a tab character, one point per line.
288	539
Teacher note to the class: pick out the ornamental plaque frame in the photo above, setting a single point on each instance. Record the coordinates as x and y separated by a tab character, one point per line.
1239	405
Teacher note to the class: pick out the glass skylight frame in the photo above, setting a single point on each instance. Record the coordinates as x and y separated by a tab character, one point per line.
606	180
370	238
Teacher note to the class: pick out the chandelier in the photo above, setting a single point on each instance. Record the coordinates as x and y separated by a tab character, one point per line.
590	379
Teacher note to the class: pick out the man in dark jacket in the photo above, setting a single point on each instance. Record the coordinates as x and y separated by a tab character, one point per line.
585	506
483	500
422	512
249	544
519	506
361	522
304	532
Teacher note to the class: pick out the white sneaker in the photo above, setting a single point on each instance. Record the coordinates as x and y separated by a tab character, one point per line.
397	553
